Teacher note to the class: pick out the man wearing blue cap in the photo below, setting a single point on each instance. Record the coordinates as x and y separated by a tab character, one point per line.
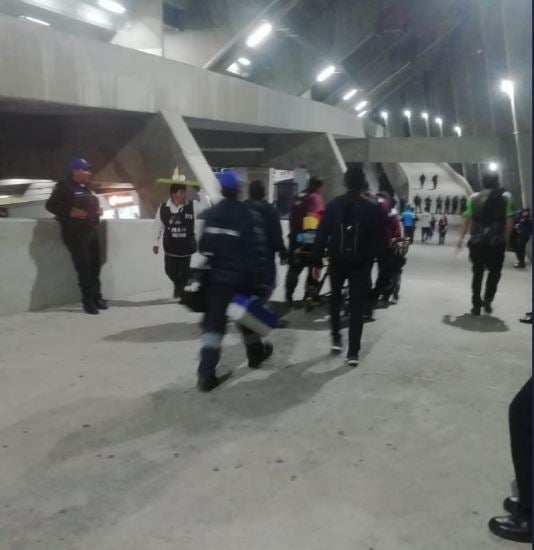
78	212
234	243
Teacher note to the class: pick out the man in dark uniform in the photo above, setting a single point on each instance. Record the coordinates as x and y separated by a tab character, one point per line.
489	216
77	210
435	180
447	205
428	204
234	243
418	201
175	220
422	180
455	203
439	205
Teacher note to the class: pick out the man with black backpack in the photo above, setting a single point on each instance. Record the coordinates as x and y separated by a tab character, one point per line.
489	216
175	221
354	232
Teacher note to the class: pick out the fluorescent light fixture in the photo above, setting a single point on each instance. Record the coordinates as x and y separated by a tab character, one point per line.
361	105
439	120
35	20
4	196
424	115
384	115
507	86
112	6
362	114
244	61
350	94
458	130
327	72
259	35
234	68
493	167
407	113
118	200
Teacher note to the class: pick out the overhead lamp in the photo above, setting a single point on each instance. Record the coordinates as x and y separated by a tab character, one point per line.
507	86
244	61
259	35
384	114
327	72
438	120
112	6
362	114
493	167
350	94
457	130
118	200
407	113
234	68
361	105
35	20
424	115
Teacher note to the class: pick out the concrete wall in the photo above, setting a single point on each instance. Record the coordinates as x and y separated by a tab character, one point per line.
37	272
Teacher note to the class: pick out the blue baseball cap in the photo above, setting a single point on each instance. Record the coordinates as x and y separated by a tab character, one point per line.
229	180
79	164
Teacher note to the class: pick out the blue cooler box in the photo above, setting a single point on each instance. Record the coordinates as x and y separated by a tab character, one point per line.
251	314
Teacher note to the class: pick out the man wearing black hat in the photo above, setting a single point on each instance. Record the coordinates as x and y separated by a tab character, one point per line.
78	212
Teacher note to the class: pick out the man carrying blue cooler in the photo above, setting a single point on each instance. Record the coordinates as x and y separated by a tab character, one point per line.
234	243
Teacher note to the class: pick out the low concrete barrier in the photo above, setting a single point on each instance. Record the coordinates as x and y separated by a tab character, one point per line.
36	271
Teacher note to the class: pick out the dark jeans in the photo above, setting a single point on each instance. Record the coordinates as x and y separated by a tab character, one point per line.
426	234
439	209
442	235
359	287
521	249
484	257
384	281
520	420
214	329
178	271
408	233
84	249
296	266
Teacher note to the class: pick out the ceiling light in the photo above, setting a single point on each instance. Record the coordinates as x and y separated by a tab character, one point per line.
439	120
384	114
424	115
458	130
507	86
350	94
259	35
326	73
34	20
362	114
244	61
361	105
493	167
112	6
234	68
407	113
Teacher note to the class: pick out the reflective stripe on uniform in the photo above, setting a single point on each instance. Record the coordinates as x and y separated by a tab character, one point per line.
222	231
211	340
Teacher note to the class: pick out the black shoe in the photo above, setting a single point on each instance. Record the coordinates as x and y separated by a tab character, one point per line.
520	265
368	318
487	308
255	362
90	307
353	361
337	345
513	506
515	528
475	310
100	303
206	385
527	319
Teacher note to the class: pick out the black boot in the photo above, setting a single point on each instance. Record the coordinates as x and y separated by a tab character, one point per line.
100	303
89	306
258	352
207	384
517	528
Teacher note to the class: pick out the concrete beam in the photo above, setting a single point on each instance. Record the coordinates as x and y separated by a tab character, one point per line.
447	149
43	65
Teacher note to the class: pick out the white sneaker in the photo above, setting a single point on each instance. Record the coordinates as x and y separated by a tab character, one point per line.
353	361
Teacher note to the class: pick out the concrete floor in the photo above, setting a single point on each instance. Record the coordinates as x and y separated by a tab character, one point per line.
106	445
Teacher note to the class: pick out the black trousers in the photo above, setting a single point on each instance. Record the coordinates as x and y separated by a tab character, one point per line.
359	288
439	209
84	249
296	267
520	420
521	249
442	235
426	234
178	271
214	329
408	233
485	257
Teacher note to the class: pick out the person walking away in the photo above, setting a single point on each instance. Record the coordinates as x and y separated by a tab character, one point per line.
447	205
417	203
235	246
422	180
443	227
308	204
175	222
518	525
272	228
408	222
455	203
402	204
426	219
435	180
428	204
77	210
439	205
463	204
523	232
489	218
433	222
354	230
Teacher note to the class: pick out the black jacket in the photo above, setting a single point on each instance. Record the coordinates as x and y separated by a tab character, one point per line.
372	230
68	194
234	243
271	226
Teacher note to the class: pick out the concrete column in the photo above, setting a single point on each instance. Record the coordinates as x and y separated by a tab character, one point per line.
144	29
